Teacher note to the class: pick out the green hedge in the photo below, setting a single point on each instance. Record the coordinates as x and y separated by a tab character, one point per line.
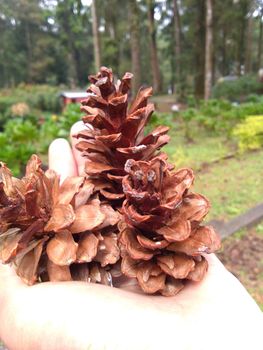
250	133
239	89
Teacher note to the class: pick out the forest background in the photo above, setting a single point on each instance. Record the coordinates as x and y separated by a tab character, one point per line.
177	46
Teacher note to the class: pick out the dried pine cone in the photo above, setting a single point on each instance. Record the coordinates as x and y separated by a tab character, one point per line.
161	239
45	227
63	232
115	133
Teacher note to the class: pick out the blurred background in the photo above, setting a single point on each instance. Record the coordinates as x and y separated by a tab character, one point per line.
204	61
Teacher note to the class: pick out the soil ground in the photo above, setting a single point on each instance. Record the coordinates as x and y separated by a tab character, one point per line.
242	254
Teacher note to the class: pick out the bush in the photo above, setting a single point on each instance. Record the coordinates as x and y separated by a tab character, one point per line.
22	136
48	131
70	116
250	133
17	143
157	119
42	97
237	90
220	116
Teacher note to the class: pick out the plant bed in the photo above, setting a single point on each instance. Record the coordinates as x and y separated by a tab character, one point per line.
242	254
232	185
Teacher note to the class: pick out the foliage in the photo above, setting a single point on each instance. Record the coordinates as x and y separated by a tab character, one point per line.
218	116
250	133
17	143
26	135
36	98
238	89
20	109
158	118
48	131
31	28
62	30
42	97
70	115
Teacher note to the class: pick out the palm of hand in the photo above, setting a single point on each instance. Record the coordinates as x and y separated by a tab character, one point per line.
76	315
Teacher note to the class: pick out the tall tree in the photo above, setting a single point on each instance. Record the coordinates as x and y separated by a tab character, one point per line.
242	11
199	48
208	49
65	17
249	42
135	44
156	74
259	53
177	30
96	38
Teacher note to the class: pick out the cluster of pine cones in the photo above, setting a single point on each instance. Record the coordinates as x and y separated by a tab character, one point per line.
131	214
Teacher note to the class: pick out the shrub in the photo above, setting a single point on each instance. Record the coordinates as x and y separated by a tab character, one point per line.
48	131
70	115
22	136
220	116
20	109
42	97
250	133
158	118
188	115
17	143
237	90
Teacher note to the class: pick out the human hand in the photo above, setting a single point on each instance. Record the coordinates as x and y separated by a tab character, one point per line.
216	313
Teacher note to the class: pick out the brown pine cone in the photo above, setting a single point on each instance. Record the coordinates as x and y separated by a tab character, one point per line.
46	227
161	239
115	133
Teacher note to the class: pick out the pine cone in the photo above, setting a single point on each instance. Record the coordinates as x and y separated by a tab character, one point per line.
115	133
46	228
71	231
161	239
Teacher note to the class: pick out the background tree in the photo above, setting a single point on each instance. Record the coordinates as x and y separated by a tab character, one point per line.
259	53
156	75
177	31
208	49
161	41
96	39
135	44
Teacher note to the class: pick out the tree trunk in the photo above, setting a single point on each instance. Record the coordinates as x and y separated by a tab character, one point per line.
177	29
224	54
96	39
240	41
199	52
249	44
260	39
29	52
208	49
135	45
157	86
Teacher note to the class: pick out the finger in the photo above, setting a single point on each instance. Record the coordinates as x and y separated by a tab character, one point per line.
214	263
80	161
9	283
60	159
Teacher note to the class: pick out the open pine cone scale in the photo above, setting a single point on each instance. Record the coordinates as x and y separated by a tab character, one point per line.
39	217
161	237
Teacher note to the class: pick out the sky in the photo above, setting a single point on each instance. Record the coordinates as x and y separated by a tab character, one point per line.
86	2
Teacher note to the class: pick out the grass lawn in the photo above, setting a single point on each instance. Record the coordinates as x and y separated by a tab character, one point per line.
232	185
242	254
